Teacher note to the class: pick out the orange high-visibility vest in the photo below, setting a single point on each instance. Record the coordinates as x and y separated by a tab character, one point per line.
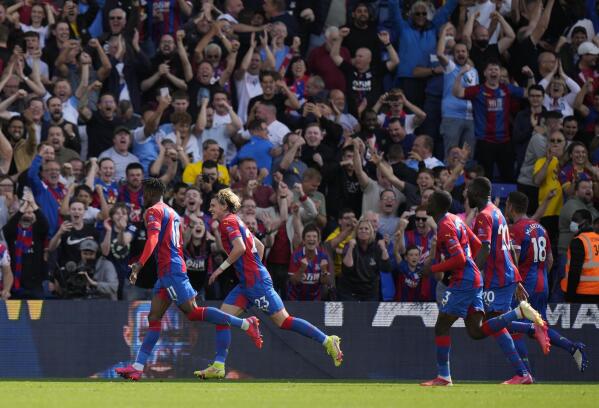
589	277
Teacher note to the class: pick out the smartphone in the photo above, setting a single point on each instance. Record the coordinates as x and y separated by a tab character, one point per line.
164	91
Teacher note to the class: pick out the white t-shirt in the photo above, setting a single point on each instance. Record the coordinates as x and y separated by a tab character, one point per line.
247	88
276	133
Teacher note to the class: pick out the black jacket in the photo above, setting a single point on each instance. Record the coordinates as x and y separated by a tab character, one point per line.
33	269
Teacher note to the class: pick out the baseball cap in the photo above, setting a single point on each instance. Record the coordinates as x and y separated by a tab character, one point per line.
588	47
119	129
88	245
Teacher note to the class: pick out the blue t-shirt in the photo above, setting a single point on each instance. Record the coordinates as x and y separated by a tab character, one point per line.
451	106
259	150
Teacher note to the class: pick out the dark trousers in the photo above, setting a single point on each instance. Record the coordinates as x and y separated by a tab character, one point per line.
500	154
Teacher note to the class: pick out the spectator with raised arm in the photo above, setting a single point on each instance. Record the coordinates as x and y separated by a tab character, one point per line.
417	38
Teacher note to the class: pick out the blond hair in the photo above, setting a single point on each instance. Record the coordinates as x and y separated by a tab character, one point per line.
372	236
227	197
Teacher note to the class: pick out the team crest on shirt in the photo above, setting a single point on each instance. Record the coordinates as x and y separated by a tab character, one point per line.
151	217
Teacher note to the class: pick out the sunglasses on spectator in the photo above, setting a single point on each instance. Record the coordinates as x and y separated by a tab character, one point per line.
419	13
557	140
421	219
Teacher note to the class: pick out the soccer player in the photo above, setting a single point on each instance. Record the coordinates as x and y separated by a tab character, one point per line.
501	277
533	255
245	252
464	295
164	227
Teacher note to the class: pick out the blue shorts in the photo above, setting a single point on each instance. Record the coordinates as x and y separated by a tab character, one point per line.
262	295
499	299
461	302
175	287
538	300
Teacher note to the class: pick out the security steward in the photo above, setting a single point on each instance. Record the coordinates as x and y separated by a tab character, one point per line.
581	283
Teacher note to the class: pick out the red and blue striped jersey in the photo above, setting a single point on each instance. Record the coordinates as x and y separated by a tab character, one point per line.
309	287
248	266
423	242
492	111
169	252
454	238
490	227
531	239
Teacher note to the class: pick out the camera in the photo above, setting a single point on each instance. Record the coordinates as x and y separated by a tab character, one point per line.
73	284
206	178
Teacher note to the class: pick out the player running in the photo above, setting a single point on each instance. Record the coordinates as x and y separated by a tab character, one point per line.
464	295
501	277
533	255
255	288
164	227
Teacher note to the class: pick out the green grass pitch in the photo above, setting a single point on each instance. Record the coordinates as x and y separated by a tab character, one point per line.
289	394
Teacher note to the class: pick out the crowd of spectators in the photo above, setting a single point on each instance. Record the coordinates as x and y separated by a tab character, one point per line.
334	120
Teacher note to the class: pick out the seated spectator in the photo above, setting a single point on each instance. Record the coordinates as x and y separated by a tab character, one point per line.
309	268
363	261
102	281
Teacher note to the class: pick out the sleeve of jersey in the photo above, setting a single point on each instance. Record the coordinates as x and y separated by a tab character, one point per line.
475	244
456	259
471	92
483	228
153	229
231	229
